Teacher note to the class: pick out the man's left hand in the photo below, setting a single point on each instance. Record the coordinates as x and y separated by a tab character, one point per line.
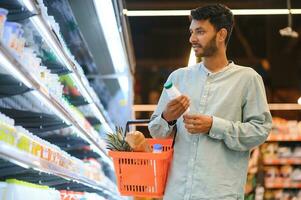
196	124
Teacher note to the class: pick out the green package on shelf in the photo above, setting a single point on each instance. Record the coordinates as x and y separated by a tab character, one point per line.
27	184
7	133
24	143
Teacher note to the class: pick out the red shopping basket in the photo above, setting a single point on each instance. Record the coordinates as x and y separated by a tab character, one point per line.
143	174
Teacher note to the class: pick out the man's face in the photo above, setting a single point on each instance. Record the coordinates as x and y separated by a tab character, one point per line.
203	38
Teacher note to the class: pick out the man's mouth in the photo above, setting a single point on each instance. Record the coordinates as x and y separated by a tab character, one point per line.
196	47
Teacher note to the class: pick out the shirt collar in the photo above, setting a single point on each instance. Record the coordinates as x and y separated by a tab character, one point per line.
209	73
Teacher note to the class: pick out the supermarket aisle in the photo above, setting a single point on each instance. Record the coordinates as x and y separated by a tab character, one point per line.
52	120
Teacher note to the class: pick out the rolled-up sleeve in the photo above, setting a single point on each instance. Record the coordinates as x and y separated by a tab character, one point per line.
256	120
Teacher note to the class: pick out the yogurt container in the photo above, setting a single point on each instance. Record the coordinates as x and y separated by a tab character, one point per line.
3	14
10	34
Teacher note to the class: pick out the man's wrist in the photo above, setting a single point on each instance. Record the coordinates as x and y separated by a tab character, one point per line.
170	123
210	124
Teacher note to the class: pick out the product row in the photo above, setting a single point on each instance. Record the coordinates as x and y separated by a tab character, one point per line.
283	175
19	190
283	126
282	195
25	141
272	151
35	57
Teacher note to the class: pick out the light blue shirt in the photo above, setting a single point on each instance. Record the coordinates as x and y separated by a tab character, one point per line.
214	166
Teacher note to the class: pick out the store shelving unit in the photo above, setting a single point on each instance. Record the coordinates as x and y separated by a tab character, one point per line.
33	168
52	39
282	185
284	163
43	94
273	137
27	160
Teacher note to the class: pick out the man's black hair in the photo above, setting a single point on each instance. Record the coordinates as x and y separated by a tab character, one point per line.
218	15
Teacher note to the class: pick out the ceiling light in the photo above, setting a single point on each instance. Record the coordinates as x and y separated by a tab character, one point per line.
288	31
187	12
107	20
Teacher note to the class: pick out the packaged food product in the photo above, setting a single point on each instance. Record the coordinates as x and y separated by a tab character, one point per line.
46	151
2	189
20	190
7	133
58	155
20	42
36	149
173	92
10	34
24	140
137	141
3	14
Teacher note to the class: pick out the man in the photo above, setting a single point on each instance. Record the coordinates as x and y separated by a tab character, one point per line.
228	115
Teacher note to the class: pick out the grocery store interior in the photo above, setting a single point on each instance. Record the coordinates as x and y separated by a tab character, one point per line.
74	71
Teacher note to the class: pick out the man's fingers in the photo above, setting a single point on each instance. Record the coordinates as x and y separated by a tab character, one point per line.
179	100
181	104
191	126
193	121
188	116
193	129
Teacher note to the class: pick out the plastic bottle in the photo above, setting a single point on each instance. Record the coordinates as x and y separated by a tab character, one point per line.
157	148
173	92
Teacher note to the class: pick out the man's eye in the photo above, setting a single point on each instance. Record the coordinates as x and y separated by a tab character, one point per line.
200	32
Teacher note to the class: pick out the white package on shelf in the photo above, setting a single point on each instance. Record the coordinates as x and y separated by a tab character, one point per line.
2	189
92	196
21	192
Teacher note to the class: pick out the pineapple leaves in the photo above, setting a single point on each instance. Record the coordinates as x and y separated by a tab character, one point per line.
116	141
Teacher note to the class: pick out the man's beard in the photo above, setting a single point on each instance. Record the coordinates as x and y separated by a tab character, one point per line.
210	49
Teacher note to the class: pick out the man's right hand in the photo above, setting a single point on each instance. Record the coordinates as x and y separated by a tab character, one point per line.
175	108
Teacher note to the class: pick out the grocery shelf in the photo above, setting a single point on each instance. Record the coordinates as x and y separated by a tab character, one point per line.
66	143
34	122
9	86
17	69
9	170
93	120
282	161
81	82
76	100
275	137
29	161
280	184
83	154
284	106
17	11
56	68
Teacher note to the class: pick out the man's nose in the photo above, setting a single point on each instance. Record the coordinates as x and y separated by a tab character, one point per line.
192	38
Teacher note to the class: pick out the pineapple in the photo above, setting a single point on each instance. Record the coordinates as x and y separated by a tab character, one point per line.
116	142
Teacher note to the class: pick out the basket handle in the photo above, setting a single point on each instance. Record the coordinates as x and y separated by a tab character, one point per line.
146	121
137	121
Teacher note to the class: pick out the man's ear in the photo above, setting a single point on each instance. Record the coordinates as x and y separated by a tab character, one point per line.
222	34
